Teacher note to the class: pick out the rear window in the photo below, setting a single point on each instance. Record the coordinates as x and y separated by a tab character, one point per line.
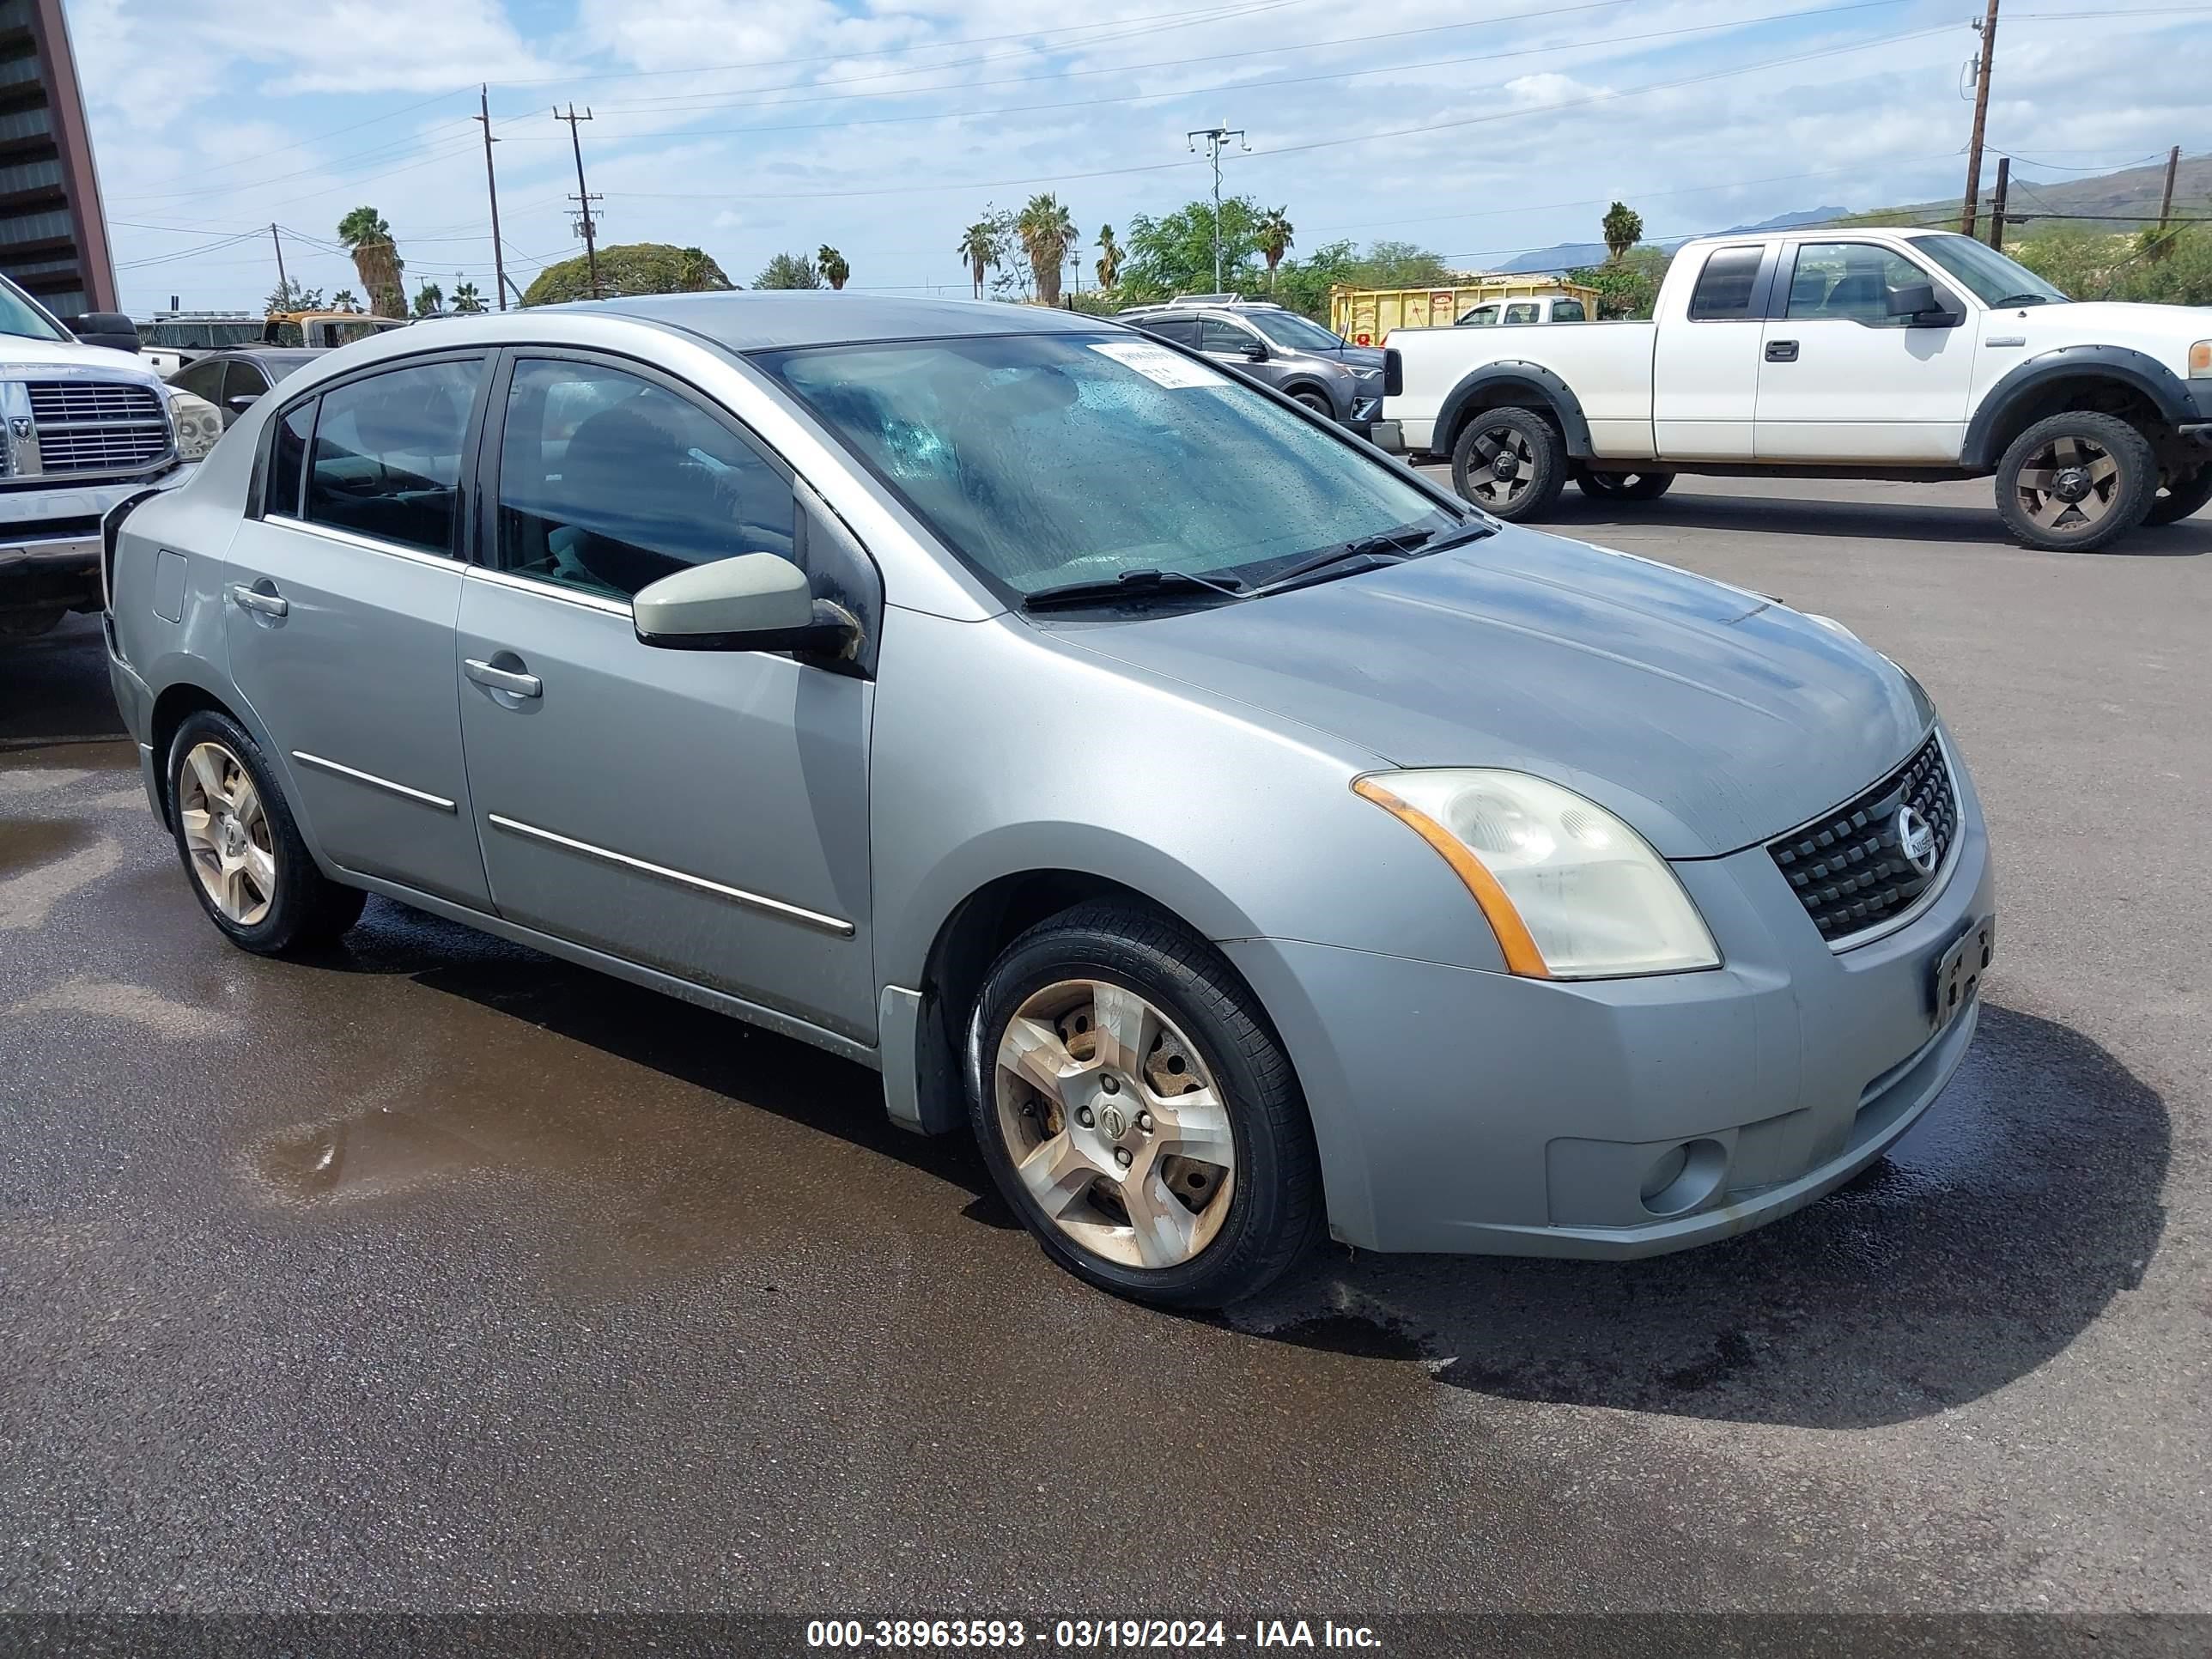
1567	311
1724	290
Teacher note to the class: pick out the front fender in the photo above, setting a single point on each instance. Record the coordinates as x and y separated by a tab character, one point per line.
2132	368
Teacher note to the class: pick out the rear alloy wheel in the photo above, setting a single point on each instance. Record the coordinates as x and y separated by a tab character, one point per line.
1510	463
1137	1112
2179	498
1624	486
2076	482
251	870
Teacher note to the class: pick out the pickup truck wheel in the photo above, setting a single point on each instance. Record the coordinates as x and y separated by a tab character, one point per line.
1510	463
250	869
1624	486
2076	482
2178	498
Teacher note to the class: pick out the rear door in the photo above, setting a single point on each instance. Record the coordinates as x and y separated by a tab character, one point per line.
1842	380
1704	366
341	597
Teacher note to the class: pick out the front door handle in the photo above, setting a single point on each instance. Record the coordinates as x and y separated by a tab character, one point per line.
1782	351
515	684
263	597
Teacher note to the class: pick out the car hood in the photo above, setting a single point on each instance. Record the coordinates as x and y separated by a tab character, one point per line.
19	351
1709	717
1356	356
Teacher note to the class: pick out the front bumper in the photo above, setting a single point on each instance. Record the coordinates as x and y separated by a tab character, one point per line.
49	545
1464	1111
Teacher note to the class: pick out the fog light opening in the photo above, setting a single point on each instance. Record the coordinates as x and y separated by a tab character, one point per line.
1683	1177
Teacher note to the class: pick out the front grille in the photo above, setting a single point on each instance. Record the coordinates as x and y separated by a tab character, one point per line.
1847	869
98	426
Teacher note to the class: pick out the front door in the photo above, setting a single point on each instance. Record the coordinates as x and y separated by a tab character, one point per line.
701	813
341	599
1842	380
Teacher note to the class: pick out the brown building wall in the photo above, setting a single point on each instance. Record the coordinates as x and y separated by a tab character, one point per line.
54	232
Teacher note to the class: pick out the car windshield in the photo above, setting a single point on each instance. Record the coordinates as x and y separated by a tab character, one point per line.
19	316
1043	461
1994	279
1287	328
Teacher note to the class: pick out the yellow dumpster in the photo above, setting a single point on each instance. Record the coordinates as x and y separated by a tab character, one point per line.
1366	316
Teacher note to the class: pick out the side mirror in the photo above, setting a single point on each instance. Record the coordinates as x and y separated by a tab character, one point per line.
243	401
754	602
111	329
1915	300
1255	352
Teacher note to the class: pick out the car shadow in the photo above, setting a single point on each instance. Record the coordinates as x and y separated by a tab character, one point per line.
1907	521
1986	1242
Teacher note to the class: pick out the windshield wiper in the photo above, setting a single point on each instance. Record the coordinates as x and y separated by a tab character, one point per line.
1129	584
1391	547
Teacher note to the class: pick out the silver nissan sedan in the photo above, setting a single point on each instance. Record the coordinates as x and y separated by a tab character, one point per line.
1237	834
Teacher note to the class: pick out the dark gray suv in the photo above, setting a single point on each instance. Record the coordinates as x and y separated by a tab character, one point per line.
1295	355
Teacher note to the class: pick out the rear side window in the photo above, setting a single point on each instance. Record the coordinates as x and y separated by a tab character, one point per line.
1184	331
288	459
388	454
1724	290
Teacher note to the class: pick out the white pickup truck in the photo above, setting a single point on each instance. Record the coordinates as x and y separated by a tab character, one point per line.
1882	353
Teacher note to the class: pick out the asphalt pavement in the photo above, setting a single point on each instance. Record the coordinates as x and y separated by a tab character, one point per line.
434	1274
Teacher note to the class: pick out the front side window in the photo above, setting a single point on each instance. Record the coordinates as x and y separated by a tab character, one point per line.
1041	461
1849	282
1225	339
1724	286
243	379
388	454
1296	333
1480	317
608	481
203	378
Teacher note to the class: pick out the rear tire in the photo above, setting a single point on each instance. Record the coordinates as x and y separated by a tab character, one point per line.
2076	482
243	854
2181	497
1138	1111
1624	486
1510	463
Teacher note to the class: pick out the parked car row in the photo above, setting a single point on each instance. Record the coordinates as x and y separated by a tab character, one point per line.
1277	347
999	698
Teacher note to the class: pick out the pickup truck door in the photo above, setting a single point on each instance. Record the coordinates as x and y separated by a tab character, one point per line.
1842	380
1704	364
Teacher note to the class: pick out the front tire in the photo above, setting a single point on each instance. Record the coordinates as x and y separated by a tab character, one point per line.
249	867
2076	482
1138	1113
2182	497
1624	486
1315	401
1510	463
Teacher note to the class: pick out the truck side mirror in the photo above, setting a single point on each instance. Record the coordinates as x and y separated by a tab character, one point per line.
111	329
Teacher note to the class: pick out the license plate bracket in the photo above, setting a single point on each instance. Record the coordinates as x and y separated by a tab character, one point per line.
1958	970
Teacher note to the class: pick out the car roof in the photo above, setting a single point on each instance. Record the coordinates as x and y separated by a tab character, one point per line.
767	320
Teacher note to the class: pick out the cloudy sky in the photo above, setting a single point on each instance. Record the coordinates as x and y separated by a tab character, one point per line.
1475	127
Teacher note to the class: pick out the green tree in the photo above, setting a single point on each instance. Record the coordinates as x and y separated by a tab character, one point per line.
430	301
344	299
1109	257
1627	288
376	259
1398	265
789	270
982	246
630	268
466	300
833	267
1173	254
1275	232
292	296
1623	228
1046	230
1304	284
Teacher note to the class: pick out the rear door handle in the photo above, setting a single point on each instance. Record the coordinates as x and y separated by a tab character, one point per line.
502	679
263	597
1782	351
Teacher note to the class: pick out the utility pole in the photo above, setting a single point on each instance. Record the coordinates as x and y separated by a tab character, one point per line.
2166	202
1988	30
491	183
585	198
283	282
1215	138
1998	203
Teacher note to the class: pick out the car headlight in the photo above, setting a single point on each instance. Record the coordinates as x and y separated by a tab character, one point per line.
1571	890
2200	360
199	424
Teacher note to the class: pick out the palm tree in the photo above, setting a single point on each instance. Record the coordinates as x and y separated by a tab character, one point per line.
1109	257
979	247
376	257
1046	229
430	301
1275	231
344	299
835	270
1623	228
466	300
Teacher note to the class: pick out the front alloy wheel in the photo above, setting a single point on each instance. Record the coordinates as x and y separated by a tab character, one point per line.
2076	482
1114	1125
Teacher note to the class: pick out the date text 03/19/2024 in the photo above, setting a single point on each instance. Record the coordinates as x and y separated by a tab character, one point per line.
1107	1635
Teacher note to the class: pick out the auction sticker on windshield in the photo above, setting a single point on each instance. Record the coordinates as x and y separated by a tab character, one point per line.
1156	363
